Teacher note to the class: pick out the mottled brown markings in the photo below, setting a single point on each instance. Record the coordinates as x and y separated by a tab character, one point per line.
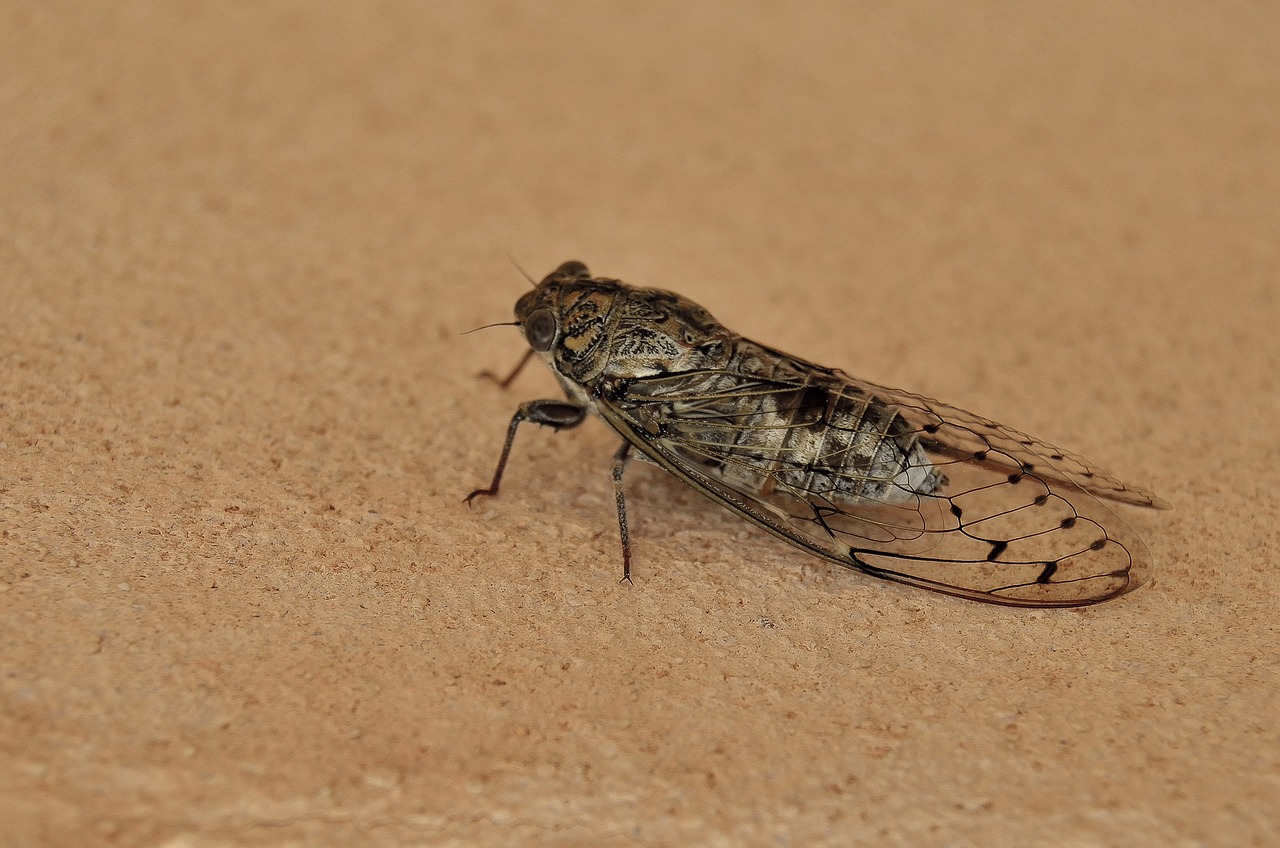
812	407
842	468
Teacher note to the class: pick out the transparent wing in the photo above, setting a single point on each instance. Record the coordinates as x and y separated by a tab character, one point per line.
890	483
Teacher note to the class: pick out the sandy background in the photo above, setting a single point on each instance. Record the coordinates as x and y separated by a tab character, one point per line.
243	602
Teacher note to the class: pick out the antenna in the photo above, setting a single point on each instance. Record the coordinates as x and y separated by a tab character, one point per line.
498	324
522	271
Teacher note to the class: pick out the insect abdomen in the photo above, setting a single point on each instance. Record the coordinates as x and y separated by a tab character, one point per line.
812	440
851	448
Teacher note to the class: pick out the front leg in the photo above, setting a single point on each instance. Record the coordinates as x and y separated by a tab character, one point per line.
557	414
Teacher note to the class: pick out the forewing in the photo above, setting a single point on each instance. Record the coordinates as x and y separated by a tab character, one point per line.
1014	522
953	432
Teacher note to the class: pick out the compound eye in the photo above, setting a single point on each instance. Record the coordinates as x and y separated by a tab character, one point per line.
572	268
540	330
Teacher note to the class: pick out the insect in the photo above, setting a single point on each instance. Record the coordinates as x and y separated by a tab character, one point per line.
882	481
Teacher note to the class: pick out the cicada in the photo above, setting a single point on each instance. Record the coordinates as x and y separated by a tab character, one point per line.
879	480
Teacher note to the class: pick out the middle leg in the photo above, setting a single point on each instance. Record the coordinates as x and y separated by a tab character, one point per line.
620	460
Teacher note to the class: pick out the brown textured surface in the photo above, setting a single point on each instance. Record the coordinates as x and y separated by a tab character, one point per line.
243	604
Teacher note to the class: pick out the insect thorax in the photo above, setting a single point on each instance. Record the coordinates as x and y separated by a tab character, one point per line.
610	330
